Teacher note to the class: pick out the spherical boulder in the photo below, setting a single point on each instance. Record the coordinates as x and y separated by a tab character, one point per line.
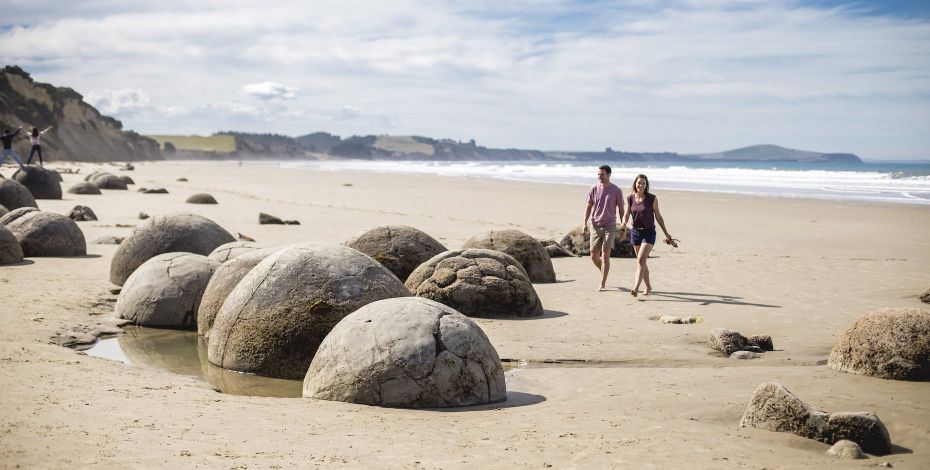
42	183
274	320
889	344
14	195
527	250
406	352
224	280
165	291
578	243
44	233
84	187
399	248
10	251
478	283
228	251
201	198
109	181
181	232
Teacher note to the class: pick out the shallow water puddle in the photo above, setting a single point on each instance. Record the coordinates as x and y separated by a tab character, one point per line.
185	353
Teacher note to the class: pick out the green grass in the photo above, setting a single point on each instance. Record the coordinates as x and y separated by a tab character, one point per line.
213	143
403	144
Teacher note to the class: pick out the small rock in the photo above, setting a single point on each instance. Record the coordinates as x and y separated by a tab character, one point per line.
143	215
82	213
726	341
744	355
153	191
763	342
265	219
847	450
925	297
182	179
244	238
886	465
671	319
201	198
108	240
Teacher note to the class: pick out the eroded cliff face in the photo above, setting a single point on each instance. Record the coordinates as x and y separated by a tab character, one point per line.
80	132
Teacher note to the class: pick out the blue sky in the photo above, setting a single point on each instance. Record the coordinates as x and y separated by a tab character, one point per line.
685	75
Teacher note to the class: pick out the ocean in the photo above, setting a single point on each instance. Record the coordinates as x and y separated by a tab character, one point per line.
904	183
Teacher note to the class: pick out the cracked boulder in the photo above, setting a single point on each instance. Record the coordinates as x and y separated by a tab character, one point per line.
45	233
84	187
10	251
14	195
773	408
201	198
478	283
41	182
399	248
274	320
406	352
109	181
527	250
165	291
889	344
180	232
228	251
578	243
224	280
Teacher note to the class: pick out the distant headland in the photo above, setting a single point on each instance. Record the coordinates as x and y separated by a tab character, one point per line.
82	133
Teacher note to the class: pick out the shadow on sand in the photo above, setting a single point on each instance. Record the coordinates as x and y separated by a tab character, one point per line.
514	400
700	299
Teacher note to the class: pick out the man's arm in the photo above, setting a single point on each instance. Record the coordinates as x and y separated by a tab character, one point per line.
587	215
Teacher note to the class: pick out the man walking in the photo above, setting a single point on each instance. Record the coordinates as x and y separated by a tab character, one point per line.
7	139
605	202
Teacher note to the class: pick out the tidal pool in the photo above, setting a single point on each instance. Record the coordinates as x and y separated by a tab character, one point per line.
183	352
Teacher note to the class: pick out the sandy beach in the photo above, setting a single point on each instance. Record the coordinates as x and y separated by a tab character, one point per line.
598	384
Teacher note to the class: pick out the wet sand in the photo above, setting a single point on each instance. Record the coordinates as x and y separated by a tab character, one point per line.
629	392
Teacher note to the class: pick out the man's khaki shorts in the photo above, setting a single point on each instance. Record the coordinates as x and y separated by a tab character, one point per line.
602	235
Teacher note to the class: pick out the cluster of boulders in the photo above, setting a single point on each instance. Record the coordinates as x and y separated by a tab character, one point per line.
39	233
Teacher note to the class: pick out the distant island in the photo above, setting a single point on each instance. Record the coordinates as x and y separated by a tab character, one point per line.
82	133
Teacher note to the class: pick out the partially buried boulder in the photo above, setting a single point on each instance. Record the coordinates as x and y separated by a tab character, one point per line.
478	283
153	191
165	291
126	180
82	213
406	352
228	251
201	198
44	233
10	251
889	344
84	187
579	243
109	181
524	248
42	183
224	280
182	232
400	248
14	195
268	219
274	320
773	408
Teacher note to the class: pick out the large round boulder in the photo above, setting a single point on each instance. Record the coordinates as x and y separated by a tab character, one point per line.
182	232
399	248
10	251
527	250
228	251
109	181
888	343
44	233
274	320
165	291
14	195
42	183
406	352
578	243
478	283
84	187
201	198
224	280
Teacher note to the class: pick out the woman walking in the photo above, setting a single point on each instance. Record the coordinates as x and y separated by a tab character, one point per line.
644	208
34	137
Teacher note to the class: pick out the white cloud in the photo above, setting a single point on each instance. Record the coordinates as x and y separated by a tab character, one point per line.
124	102
684	75
270	91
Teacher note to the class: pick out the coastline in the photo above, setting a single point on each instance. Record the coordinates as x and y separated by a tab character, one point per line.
650	394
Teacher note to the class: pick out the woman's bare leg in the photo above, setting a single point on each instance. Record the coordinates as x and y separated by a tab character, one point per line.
642	254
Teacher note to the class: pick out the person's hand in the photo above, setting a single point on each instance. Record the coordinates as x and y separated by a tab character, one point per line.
584	229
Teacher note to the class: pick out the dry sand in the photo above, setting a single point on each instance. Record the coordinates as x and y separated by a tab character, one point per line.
651	396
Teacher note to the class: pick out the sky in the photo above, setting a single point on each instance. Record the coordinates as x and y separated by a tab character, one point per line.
686	76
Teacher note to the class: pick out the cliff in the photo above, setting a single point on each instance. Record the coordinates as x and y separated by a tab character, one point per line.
80	132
